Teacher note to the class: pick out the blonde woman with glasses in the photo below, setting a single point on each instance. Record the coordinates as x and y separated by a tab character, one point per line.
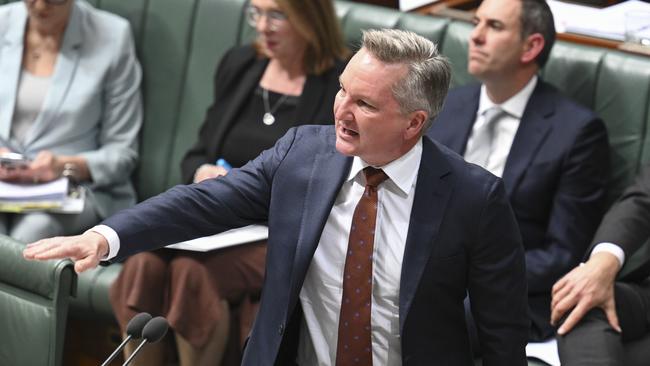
287	77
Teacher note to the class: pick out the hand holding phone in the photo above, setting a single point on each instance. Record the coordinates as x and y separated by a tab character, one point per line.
11	160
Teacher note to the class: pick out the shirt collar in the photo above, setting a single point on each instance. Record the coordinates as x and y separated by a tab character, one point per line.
515	105
401	171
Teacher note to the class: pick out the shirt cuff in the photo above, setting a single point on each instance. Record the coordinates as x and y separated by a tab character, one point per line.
111	237
610	248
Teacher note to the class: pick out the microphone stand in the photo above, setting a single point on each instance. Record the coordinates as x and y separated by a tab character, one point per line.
117	351
132	356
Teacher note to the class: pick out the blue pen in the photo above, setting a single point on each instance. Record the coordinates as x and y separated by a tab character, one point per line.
223	163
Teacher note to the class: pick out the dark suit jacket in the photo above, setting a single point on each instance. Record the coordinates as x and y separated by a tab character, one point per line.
627	223
293	186
555	178
237	76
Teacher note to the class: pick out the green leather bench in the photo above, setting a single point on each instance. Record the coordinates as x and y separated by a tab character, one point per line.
179	43
34	299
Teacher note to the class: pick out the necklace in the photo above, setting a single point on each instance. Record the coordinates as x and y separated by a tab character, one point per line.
268	118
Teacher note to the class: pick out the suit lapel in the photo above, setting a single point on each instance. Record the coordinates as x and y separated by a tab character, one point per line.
432	192
328	173
530	135
64	71
11	54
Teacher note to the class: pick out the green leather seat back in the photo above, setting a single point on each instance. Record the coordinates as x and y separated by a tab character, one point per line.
573	69
454	46
623	100
215	28
355	17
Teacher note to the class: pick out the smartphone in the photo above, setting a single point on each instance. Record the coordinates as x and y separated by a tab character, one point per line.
13	160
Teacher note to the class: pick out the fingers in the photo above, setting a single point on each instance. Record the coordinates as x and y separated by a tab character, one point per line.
83	252
574	317
43	249
612	317
562	304
86	264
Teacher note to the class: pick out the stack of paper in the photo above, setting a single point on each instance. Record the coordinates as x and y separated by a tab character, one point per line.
30	197
608	23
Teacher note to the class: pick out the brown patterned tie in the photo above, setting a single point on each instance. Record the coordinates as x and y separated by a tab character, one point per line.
354	343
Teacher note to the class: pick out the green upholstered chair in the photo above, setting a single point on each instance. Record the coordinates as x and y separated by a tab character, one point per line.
34	299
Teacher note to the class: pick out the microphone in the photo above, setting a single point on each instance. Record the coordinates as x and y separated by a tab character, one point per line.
133	331
152	332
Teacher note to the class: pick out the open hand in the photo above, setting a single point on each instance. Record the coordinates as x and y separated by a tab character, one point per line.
85	250
587	286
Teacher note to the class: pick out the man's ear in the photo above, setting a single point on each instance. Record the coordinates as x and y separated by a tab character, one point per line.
533	46
417	120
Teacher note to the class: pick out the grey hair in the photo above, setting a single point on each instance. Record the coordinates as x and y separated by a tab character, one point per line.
426	84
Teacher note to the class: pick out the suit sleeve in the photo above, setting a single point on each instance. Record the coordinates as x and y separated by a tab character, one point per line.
497	284
577	208
198	154
189	211
627	223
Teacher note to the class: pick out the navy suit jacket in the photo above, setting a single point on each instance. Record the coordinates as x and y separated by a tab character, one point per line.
555	178
462	237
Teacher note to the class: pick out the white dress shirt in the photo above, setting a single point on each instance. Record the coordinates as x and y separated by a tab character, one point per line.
505	128
322	290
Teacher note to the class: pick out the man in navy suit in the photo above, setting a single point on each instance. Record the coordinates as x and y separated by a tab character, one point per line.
443	228
551	153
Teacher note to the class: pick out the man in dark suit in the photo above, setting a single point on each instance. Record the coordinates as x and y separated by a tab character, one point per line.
355	274
551	153
611	316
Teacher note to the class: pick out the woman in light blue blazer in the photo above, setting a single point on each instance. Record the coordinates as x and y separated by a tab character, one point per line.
70	98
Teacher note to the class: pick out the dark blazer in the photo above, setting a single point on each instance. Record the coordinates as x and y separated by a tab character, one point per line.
627	223
555	178
237	76
293	186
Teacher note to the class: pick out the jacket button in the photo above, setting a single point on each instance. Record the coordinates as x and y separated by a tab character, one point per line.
281	329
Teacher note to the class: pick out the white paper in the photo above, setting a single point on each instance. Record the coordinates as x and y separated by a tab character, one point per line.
243	235
544	351
50	191
606	23
408	5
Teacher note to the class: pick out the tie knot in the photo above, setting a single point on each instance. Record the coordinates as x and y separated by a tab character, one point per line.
374	177
493	113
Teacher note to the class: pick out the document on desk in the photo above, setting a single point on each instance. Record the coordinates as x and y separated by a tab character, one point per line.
242	235
50	196
608	23
50	191
408	5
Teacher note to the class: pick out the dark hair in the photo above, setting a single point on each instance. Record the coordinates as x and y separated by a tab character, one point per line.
536	17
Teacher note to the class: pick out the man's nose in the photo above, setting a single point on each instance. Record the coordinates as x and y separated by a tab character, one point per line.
342	109
478	34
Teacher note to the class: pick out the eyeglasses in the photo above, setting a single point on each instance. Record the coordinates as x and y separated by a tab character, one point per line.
50	2
275	18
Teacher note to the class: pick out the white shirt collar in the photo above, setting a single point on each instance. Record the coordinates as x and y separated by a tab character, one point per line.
515	105
401	171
